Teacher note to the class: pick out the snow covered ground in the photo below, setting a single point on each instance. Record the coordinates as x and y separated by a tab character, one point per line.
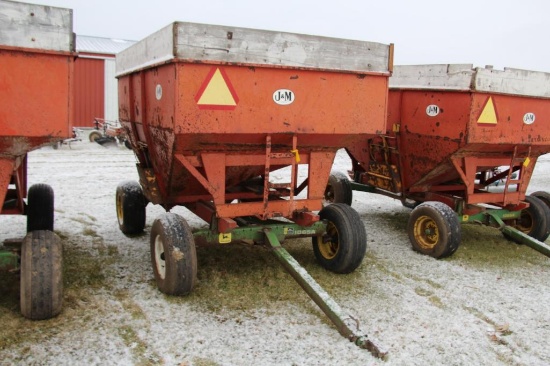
486	305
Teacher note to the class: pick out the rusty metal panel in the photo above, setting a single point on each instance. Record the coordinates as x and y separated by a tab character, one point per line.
36	95
209	124
89	84
454	122
36	89
510	119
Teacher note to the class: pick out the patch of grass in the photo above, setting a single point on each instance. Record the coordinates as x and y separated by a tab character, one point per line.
130	306
83	221
63	236
422	292
436	300
90	232
397	220
379	265
9	288
483	246
202	362
241	278
84	270
142	355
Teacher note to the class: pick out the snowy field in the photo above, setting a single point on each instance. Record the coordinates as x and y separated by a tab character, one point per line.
489	304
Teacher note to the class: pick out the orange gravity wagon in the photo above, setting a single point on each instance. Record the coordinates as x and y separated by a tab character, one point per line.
36	67
460	146
241	126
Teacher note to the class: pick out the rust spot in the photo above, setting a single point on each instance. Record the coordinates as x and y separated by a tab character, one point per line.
177	254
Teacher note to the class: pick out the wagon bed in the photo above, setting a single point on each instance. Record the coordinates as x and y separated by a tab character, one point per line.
212	111
453	132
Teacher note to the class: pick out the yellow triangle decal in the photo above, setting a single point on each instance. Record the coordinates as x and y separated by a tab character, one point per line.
489	114
217	92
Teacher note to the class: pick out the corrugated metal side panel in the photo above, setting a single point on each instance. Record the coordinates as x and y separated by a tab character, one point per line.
89	86
111	91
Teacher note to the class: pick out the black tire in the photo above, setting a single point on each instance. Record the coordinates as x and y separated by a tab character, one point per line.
543	196
534	220
338	189
342	248
94	135
40	208
130	207
434	229
173	255
41	294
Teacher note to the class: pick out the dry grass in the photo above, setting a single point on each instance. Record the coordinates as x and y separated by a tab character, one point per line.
233	281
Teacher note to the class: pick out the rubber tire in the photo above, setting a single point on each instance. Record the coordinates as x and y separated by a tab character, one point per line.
338	189
94	135
543	196
41	295
535	220
40	208
175	273
348	239
443	220
130	207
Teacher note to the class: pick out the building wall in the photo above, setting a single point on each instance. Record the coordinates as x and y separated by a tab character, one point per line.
89	86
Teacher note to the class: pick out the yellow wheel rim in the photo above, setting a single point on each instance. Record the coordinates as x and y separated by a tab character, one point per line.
119	210
328	244
526	222
426	232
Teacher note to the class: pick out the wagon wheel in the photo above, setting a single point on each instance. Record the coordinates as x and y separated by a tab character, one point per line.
173	255
130	207
534	220
40	208
543	196
338	189
41	275
342	248
94	135
434	229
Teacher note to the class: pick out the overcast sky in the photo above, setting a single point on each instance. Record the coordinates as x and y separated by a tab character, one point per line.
503	33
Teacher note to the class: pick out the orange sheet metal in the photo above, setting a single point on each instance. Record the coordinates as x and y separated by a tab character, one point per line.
35	104
218	119
36	98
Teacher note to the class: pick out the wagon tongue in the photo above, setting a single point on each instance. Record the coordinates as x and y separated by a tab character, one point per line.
347	325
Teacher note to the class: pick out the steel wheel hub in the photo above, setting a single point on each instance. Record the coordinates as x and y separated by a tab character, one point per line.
426	232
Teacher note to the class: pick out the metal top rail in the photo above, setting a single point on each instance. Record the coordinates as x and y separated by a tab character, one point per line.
464	77
194	42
